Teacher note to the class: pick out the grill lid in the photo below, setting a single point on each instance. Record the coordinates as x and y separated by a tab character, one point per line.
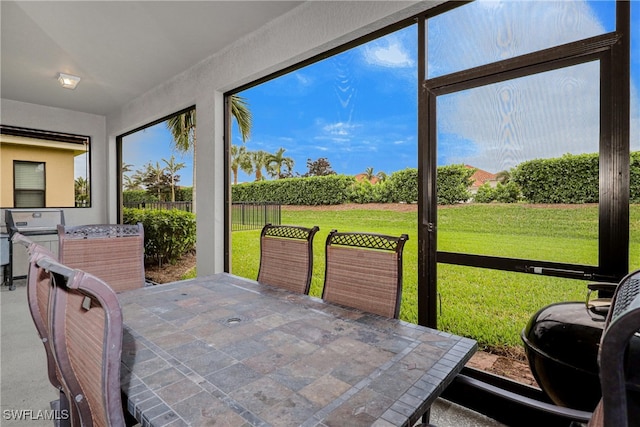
34	221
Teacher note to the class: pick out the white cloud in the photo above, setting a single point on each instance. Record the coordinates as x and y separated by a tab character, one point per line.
388	52
497	126
339	128
303	79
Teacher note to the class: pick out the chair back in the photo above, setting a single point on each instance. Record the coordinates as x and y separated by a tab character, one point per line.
86	329
111	252
286	257
364	271
39	288
38	292
619	356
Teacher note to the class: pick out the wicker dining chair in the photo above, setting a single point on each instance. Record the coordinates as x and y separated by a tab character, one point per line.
39	288
364	271
286	257
86	335
619	359
112	252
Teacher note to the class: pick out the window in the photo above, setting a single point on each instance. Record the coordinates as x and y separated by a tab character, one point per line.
23	156
29	184
519	110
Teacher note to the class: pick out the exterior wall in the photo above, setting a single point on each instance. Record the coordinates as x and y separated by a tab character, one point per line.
34	116
59	173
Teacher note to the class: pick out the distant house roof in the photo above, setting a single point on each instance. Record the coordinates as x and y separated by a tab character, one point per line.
363	176
481	176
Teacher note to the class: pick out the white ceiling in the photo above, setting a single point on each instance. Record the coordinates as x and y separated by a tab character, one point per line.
120	49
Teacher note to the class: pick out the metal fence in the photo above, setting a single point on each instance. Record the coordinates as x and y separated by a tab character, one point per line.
183	206
254	215
244	215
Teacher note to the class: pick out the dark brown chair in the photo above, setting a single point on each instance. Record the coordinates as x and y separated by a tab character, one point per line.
38	291
364	271
86	332
286	257
619	359
112	252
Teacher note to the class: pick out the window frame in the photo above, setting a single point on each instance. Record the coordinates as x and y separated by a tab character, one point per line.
55	137
612	50
42	192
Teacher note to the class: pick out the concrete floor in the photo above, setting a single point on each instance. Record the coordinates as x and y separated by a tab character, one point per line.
26	393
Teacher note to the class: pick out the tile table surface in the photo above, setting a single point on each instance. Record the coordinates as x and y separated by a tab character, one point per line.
229	351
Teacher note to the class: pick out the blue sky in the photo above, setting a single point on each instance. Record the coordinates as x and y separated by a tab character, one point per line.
359	108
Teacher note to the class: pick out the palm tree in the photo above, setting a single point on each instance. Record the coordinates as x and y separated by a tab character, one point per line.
276	161
132	182
240	111
259	162
154	178
127	167
503	176
183	130
81	191
368	174
171	169
240	160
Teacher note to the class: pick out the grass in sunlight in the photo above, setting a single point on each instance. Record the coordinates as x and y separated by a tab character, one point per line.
487	305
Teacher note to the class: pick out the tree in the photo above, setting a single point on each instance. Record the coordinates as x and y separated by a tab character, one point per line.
155	179
503	177
171	169
240	160
275	163
259	162
81	188
240	111
127	167
133	182
183	130
320	167
368	174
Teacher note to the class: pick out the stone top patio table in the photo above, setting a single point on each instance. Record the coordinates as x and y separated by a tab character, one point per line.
226	350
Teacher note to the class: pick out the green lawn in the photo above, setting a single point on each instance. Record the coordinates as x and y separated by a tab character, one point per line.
487	305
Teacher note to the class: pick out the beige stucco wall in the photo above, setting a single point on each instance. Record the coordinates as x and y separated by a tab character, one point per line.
59	173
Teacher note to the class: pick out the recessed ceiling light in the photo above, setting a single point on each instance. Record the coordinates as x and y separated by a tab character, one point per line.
68	81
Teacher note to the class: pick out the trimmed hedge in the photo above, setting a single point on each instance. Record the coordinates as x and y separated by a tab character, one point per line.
635	177
401	186
453	184
567	179
502	193
168	234
138	196
184	194
311	191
